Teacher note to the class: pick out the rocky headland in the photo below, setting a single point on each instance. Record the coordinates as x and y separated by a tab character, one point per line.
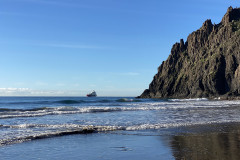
206	65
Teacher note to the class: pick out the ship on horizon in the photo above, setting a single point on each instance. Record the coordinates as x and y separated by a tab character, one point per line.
92	94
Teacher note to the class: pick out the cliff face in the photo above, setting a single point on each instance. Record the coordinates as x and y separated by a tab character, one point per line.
206	65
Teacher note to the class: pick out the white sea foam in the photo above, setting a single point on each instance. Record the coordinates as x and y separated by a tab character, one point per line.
129	116
174	104
187	100
27	132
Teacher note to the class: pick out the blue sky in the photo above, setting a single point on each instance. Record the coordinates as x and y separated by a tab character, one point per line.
70	47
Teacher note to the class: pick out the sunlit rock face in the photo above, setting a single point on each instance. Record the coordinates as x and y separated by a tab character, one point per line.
206	65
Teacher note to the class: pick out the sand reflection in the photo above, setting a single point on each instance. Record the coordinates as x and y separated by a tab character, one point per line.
220	145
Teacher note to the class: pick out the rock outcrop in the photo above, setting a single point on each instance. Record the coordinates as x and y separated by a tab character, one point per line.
206	65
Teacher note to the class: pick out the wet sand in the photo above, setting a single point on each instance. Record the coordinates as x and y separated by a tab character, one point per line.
104	146
210	142
206	142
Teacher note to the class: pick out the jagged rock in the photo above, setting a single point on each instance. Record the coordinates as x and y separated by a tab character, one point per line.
206	65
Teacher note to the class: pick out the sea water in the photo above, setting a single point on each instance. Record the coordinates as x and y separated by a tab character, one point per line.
28	119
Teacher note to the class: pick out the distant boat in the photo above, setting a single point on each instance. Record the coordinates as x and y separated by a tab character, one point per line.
92	94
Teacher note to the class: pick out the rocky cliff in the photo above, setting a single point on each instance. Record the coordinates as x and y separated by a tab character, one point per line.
206	65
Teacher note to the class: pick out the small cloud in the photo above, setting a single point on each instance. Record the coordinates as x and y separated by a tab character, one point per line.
14	91
32	92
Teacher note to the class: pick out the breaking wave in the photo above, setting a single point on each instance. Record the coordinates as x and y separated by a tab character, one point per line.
70	101
175	105
188	100
132	114
128	100
50	131
12	113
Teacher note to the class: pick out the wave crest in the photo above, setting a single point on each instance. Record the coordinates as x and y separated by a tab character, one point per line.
70	129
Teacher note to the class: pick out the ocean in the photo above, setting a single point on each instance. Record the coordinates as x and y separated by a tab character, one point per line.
114	127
